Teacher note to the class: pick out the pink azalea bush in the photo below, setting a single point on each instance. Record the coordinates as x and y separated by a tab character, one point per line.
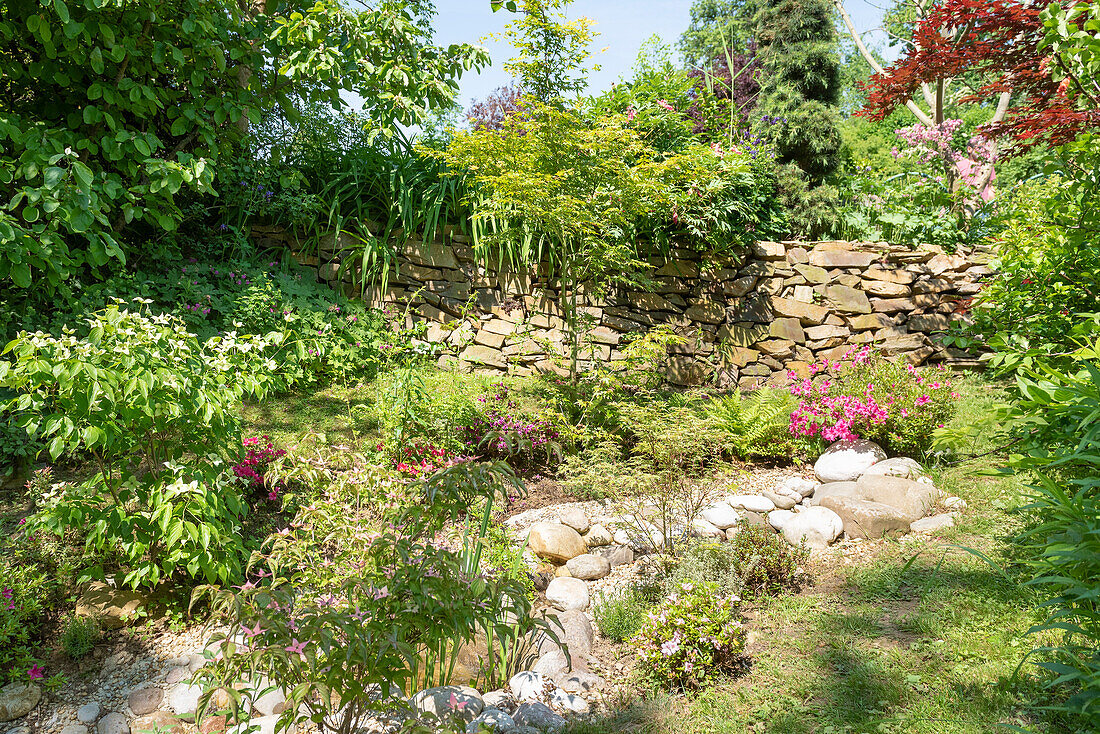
865	396
260	452
420	459
693	636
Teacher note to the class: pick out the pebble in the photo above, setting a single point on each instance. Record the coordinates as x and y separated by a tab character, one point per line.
145	700
88	713
527	685
113	723
183	698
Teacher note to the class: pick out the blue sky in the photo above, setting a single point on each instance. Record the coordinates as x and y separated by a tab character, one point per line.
623	26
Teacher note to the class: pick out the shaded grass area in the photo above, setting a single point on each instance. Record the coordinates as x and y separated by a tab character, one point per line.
933	649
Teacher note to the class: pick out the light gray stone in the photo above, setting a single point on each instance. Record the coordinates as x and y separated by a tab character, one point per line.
567	593
899	466
551	664
932	524
75	729
704	529
847	460
913	499
597	536
750	502
565	701
527	685
575	518
145	700
573	630
175	675
781	501
803	487
866	519
89	712
493	720
816	526
539	716
618	555
18	699
721	515
446	701
113	723
778	518
183	698
588	566
500	699
956	504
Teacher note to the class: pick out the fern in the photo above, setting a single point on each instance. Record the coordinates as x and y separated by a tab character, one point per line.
756	426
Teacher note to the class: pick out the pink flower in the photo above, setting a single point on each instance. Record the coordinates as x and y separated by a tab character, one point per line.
35	672
296	647
250	633
663	104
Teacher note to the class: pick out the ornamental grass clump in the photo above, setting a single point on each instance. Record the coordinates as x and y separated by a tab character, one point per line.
695	635
866	396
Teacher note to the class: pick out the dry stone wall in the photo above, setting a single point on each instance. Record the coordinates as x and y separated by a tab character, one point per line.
746	322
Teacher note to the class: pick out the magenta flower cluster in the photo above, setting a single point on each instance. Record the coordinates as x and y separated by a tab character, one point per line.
259	453
838	402
509	430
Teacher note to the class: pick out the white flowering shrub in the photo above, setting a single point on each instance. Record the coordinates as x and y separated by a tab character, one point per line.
694	635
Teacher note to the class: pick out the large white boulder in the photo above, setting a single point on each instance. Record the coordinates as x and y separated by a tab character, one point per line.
845	461
817	526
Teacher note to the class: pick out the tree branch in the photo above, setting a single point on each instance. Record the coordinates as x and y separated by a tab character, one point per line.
870	59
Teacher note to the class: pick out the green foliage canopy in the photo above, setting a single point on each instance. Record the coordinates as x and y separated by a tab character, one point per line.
108	109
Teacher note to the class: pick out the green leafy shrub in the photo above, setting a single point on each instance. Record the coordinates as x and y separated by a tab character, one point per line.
79	636
135	394
767	565
1056	417
619	616
35	575
325	334
867	396
157	525
1041	304
381	605
755	562
80	188
695	635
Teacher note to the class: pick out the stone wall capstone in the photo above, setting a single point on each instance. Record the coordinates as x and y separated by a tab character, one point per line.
746	322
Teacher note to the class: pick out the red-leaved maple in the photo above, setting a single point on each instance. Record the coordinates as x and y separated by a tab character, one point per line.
995	45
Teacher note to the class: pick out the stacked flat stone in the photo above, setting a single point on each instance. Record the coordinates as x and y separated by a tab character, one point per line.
782	306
